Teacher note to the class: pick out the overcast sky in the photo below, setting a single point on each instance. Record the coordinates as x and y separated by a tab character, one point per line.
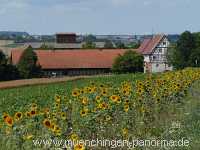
100	16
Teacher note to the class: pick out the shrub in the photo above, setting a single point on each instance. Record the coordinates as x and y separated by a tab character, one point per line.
130	62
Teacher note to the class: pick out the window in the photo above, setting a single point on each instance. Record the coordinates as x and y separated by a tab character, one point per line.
164	43
157	65
160	50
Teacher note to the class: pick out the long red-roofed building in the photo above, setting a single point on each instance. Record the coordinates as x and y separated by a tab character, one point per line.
98	61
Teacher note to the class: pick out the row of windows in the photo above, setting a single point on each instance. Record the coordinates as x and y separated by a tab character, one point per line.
158	58
76	72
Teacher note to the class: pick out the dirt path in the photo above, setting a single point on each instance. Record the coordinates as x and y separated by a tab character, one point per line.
19	83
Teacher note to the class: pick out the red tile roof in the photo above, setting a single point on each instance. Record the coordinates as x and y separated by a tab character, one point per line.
66	59
85	58
149	45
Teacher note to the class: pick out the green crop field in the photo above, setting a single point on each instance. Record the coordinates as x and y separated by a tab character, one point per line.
119	107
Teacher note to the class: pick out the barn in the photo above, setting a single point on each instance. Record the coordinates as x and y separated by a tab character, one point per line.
73	62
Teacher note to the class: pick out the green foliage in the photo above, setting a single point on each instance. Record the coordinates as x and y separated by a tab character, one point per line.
108	44
90	38
27	65
186	52
194	59
45	47
7	71
3	59
128	63
120	45
89	45
133	45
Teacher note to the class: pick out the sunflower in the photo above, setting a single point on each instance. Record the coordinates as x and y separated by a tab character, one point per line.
84	112
140	91
114	98
124	131
33	113
103	105
75	93
90	90
108	118
142	109
126	102
47	123
126	92
57	131
34	106
57	98
63	116
158	100
98	99
94	89
82	91
139	84
46	111
84	101
104	92
18	116
5	115
9	121
101	85
126	108
28	114
118	100
57	105
79	147
74	137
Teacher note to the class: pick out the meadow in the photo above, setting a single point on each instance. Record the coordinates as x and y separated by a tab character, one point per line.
133	106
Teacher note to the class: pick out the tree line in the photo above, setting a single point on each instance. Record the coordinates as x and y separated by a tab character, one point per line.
109	44
186	51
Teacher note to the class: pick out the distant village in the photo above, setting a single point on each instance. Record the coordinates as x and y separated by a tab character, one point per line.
72	54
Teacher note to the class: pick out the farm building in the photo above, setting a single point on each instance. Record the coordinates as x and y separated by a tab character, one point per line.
154	51
99	61
73	62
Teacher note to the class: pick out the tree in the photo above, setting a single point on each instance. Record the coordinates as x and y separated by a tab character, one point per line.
90	38
45	46
194	59
120	45
7	71
89	45
108	44
179	54
134	45
27	66
3	59
130	62
3	63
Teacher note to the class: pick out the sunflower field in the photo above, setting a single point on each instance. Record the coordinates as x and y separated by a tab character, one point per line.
115	107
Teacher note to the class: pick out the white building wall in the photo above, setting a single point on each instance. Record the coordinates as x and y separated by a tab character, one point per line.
157	60
160	67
